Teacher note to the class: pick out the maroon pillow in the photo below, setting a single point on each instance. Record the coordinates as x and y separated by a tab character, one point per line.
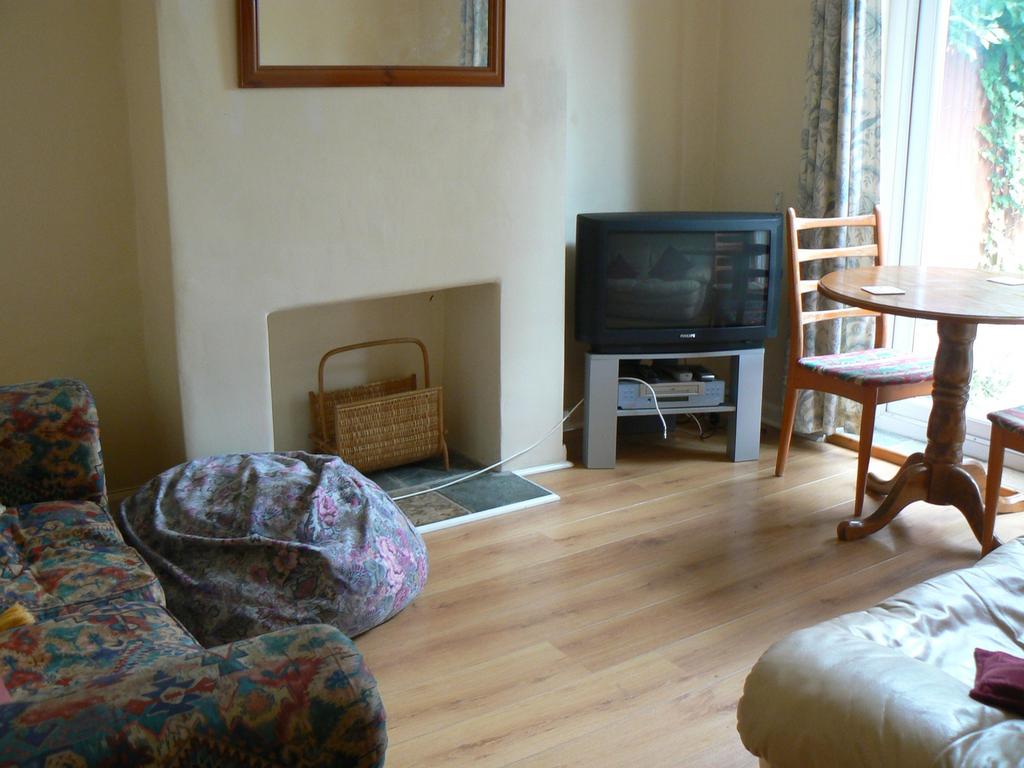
999	680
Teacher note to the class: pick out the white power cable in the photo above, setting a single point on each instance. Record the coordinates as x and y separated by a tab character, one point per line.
464	478
664	426
471	475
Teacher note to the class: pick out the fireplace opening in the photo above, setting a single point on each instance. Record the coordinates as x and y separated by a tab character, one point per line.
460	327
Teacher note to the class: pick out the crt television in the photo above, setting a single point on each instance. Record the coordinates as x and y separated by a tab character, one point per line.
677	281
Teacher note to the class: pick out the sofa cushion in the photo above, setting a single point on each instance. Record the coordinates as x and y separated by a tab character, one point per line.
58	556
64	524
80	648
49	443
62	584
29	531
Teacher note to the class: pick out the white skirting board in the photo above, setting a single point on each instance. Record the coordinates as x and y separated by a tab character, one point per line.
543	468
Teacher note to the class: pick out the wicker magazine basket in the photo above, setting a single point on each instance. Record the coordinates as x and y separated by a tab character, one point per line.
381	424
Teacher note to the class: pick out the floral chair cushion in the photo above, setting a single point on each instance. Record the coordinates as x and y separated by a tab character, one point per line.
1010	419
875	367
251	543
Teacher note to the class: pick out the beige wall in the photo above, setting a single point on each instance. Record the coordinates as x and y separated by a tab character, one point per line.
295	197
237	204
762	65
472	374
642	83
692	105
67	239
152	228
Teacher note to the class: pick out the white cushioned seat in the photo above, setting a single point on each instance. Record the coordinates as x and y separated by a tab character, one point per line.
889	685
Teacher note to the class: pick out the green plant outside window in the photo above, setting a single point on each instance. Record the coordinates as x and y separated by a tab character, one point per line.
991	32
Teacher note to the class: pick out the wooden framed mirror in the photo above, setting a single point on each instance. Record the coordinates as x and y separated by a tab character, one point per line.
310	43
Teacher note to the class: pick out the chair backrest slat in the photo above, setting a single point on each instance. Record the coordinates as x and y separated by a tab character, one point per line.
799	286
851	251
835	314
865	220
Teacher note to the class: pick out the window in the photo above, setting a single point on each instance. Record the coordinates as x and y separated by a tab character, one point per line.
953	177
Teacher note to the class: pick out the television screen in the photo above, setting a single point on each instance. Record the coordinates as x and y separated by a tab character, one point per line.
662	278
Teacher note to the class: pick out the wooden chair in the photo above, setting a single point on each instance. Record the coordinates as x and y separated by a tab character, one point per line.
871	377
1007	432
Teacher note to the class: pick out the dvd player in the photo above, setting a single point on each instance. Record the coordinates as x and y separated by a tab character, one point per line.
636	396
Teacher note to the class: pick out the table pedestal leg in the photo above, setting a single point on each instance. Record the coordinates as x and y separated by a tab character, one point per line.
909	485
939	475
878	487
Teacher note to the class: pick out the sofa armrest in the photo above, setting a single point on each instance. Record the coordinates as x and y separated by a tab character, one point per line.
890	685
300	697
49	444
825	697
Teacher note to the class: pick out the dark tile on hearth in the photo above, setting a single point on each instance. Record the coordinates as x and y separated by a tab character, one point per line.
494	489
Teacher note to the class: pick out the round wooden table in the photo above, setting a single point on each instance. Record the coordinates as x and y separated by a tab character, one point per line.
959	299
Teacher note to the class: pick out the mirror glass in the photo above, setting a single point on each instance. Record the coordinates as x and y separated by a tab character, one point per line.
377	33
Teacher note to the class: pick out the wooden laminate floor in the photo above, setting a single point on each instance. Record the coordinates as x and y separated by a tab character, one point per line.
616	627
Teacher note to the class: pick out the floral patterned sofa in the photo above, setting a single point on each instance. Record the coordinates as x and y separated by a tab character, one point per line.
105	675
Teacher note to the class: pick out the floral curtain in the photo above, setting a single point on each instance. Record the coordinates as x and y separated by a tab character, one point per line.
839	175
474	33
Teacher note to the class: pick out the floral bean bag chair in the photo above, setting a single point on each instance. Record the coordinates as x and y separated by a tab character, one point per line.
250	543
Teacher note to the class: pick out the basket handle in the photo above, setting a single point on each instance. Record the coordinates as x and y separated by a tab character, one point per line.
349	348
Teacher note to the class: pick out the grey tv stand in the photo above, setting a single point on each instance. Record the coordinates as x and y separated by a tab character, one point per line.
601	398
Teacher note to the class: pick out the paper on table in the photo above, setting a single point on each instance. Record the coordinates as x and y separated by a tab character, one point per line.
882	290
1006	280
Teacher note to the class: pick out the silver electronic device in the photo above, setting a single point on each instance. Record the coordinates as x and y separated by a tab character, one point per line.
693	394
